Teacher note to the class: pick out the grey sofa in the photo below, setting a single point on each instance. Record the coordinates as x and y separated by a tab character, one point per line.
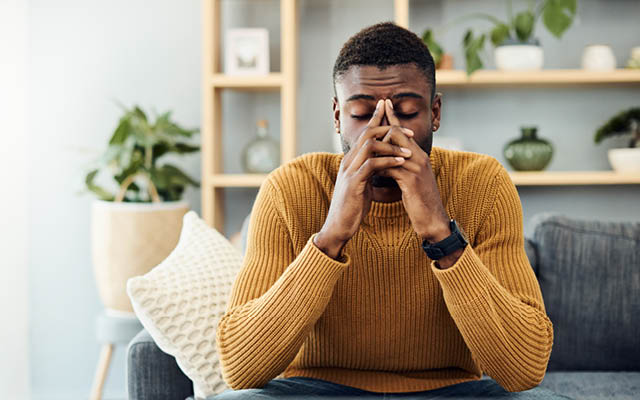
589	273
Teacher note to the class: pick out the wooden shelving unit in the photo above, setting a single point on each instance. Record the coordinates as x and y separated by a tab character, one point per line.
214	180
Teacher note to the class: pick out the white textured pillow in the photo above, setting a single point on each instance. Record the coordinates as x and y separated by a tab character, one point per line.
181	301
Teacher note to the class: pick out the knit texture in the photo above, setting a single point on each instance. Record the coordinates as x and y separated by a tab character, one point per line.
384	318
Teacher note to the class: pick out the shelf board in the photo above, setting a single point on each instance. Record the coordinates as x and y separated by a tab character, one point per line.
272	81
549	77
551	178
237	180
567	178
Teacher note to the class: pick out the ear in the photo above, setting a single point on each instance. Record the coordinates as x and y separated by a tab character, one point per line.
336	113
436	111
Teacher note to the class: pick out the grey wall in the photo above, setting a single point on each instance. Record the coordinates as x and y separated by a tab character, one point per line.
85	54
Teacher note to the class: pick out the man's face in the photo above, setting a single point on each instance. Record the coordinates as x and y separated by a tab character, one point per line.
360	88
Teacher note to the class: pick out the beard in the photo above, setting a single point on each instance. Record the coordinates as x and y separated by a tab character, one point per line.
384	181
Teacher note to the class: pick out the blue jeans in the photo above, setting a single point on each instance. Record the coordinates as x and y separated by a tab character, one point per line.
310	388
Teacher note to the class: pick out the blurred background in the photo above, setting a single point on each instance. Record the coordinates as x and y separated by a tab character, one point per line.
68	67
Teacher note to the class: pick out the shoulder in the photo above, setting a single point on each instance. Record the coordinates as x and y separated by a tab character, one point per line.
310	171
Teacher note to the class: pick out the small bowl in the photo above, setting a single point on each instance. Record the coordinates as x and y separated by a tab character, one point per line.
625	160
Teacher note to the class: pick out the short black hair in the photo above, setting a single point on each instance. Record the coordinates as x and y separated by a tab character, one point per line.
383	45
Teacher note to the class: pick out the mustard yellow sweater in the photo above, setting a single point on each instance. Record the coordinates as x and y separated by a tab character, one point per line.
386	319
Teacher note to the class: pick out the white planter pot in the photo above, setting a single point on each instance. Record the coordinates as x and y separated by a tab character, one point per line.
519	57
625	160
598	57
129	239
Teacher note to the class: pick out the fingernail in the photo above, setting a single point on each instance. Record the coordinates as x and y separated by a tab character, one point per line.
390	103
405	150
399	159
379	103
407	131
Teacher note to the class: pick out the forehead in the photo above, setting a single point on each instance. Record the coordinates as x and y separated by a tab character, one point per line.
382	83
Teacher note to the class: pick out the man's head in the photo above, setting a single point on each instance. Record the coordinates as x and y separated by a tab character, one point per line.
379	62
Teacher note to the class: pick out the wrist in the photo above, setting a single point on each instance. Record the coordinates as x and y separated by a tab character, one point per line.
328	244
436	232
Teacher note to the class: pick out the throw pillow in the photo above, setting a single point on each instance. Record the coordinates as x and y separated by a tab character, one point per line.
589	273
181	300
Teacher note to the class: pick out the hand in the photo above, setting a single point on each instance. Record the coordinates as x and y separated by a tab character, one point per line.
420	194
352	193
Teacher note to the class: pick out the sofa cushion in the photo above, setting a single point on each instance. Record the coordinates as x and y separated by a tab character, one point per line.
589	273
594	385
180	301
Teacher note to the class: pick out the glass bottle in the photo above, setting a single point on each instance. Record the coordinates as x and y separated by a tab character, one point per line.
262	154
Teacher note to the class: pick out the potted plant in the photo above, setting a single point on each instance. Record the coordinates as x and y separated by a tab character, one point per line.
624	123
136	223
517	48
441	59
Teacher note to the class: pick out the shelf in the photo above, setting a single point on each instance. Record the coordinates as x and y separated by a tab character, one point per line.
567	178
237	180
273	81
552	178
549	77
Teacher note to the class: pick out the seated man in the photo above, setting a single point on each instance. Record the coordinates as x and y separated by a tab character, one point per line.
394	268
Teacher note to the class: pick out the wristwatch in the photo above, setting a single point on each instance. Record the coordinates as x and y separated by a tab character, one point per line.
457	240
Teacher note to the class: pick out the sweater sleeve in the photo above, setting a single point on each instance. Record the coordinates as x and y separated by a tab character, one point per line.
276	298
494	298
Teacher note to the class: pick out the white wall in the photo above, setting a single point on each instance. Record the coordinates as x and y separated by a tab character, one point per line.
14	361
84	54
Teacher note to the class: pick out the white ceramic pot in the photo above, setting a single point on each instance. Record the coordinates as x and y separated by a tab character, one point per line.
625	160
598	57
129	239
513	56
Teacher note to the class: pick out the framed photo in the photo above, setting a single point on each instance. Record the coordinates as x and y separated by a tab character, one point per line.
247	51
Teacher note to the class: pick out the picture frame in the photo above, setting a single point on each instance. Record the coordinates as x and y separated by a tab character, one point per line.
247	51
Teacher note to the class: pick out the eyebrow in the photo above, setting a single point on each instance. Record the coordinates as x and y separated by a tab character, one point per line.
395	96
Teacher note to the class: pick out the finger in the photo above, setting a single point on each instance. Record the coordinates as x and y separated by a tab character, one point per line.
391	115
378	114
406	131
375	164
375	149
375	133
398	136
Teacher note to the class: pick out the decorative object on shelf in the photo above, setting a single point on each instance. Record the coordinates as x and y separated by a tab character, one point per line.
247	51
634	60
515	38
441	59
131	231
598	57
262	154
624	123
528	153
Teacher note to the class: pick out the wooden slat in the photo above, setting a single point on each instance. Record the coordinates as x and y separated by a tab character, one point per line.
401	13
560	77
210	37
561	178
289	65
272	81
237	180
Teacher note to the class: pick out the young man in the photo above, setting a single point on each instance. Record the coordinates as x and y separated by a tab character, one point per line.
394	268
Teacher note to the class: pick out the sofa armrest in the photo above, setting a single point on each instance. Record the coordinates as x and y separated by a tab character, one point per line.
153	374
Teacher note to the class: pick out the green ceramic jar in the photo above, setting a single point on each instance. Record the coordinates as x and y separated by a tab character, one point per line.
528	153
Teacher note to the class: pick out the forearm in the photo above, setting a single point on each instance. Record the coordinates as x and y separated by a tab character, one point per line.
259	339
510	337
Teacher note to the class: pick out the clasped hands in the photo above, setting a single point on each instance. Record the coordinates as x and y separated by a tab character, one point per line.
384	150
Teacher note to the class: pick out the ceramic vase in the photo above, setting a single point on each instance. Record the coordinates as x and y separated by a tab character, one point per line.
528	152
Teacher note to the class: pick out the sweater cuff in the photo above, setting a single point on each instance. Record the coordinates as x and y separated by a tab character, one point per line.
320	265
466	280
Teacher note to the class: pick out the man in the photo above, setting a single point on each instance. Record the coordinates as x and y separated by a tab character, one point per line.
396	269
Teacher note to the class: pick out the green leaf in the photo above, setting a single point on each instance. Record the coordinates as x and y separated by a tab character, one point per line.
558	15
102	193
499	34
523	24
122	132
176	176
619	124
434	48
472	48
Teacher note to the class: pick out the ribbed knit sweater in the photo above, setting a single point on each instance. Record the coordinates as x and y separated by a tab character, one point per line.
384	318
